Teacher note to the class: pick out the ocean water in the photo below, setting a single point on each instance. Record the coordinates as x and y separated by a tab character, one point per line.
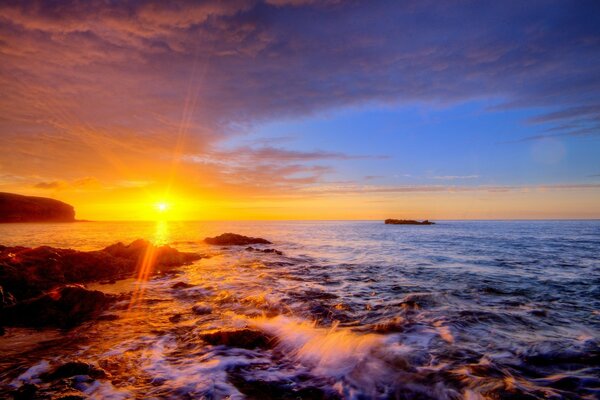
357	310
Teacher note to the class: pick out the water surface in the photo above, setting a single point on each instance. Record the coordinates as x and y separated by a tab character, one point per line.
478	309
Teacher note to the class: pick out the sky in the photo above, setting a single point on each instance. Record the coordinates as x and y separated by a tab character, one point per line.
300	109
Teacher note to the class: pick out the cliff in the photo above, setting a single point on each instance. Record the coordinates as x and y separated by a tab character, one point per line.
18	208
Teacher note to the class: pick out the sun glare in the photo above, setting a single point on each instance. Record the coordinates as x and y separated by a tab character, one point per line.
162	207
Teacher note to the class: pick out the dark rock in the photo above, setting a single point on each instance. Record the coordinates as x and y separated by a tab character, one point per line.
63	307
233	239
73	368
243	338
175	318
407	222
18	208
275	390
6	298
108	317
27	272
27	391
182	285
72	396
273	251
201	309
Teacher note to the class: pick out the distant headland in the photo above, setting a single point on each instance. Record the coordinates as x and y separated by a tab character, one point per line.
19	208
391	221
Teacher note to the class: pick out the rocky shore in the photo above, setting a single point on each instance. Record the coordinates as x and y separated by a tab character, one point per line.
43	286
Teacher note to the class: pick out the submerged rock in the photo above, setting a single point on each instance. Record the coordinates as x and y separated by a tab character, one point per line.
243	338
233	239
392	221
18	208
73	368
182	285
201	309
273	251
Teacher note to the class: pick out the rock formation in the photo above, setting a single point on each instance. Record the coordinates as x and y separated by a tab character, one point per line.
42	286
18	208
407	222
233	239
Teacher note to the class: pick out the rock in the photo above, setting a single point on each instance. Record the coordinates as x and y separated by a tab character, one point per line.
73	368
250	248
18	208
175	318
182	285
233	239
201	309
243	338
63	307
27	391
277	390
407	222
27	272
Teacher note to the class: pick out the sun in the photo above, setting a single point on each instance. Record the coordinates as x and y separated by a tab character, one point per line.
162	207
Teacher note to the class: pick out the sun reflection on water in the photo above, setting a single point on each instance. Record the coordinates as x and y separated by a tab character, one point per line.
161	233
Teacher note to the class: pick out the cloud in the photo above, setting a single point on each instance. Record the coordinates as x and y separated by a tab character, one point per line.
455	177
132	88
371	189
86	182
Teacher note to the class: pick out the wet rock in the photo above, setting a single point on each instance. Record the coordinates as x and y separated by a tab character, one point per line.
74	368
267	390
28	275
392	221
201	309
6	298
233	239
266	251
71	396
63	307
18	208
182	285
175	318
27	391
27	272
243	338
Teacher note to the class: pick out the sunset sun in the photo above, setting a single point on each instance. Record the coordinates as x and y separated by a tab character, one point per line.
162	207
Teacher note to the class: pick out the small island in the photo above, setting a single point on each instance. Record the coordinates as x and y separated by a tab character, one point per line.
19	208
391	221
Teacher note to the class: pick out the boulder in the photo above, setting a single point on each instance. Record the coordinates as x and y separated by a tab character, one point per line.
18	208
233	239
243	338
63	307
73	368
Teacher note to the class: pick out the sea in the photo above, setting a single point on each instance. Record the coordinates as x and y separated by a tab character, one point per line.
352	310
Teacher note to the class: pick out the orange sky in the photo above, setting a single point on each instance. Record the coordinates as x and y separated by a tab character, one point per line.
234	110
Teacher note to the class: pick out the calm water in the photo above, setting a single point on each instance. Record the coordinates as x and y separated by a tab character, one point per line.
359	309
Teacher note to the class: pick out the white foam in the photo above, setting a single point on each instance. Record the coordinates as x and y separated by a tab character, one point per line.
30	376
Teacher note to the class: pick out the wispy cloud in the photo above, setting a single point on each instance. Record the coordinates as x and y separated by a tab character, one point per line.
454	177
